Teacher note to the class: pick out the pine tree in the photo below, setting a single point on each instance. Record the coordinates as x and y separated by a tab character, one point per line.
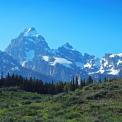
89	80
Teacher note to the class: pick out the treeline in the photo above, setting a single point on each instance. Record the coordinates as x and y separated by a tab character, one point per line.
33	85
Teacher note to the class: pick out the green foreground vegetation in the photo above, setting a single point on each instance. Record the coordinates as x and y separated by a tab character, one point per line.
92	103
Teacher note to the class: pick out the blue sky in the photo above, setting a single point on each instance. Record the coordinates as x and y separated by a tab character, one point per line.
92	26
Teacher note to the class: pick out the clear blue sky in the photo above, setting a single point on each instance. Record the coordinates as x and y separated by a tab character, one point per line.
92	26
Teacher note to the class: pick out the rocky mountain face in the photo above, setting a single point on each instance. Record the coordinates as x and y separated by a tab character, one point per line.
31	51
11	66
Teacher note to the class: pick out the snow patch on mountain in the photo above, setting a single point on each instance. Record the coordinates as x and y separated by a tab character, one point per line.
119	62
105	63
88	65
45	58
101	71
24	63
114	71
31	32
114	55
58	60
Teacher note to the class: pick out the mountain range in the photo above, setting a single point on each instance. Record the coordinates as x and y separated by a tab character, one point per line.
30	55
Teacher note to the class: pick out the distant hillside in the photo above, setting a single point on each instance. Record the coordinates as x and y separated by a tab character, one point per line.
93	103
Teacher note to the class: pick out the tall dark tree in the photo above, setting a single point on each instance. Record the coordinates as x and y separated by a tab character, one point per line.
90	80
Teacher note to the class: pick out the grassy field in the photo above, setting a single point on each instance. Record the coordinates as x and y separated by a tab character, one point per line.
93	103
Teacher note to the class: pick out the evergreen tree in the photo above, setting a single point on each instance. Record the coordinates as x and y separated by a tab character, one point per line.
89	80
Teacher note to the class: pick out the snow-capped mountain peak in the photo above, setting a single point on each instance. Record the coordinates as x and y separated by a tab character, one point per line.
31	32
115	55
27	46
31	51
